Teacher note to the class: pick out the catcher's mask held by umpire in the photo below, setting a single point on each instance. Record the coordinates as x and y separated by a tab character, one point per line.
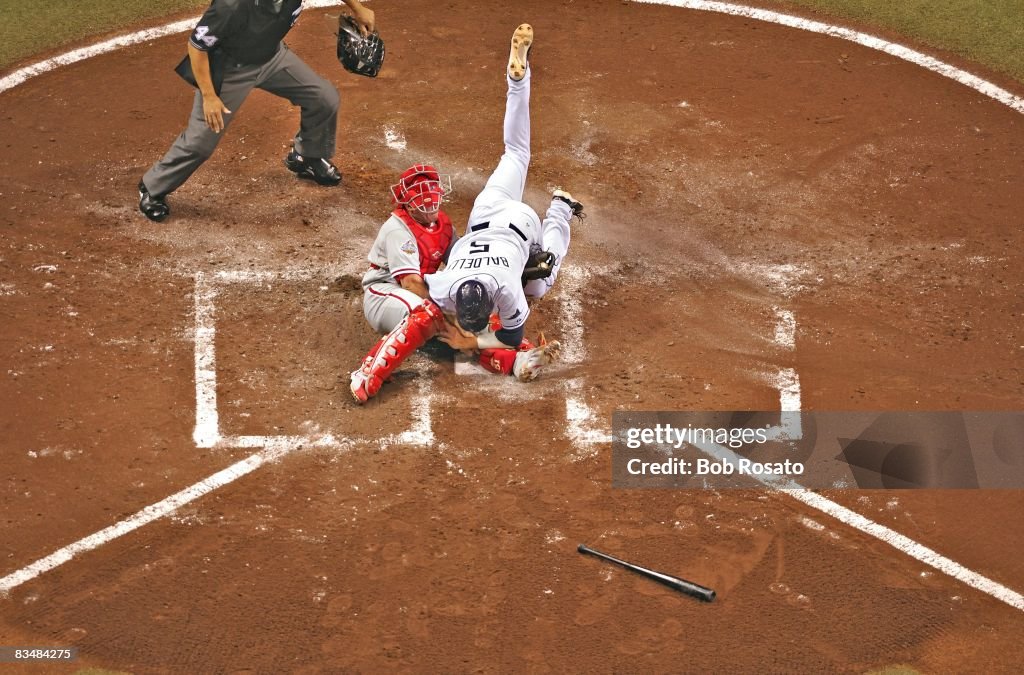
419	191
473	306
358	54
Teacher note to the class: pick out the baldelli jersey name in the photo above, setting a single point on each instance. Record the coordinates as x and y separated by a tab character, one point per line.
495	261
248	31
493	252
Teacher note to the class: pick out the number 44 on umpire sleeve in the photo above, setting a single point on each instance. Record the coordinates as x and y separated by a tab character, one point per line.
203	33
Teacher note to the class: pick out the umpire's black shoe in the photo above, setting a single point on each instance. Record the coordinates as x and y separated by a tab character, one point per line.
153	207
314	168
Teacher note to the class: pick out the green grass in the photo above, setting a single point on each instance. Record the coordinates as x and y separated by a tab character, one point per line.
990	32
29	28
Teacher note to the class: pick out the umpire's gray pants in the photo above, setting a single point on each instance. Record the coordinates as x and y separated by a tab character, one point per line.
284	75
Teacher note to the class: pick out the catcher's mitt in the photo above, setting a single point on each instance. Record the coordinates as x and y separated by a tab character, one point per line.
539	266
358	54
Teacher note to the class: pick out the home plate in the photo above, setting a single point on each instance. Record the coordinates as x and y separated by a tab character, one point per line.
467	365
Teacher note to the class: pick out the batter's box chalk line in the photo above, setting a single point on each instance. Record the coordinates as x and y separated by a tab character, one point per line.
206	433
276	447
207	428
585	434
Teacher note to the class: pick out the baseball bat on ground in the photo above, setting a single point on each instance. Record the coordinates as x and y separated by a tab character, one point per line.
675	583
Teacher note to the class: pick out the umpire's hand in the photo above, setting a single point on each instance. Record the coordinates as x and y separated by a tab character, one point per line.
363	15
214	111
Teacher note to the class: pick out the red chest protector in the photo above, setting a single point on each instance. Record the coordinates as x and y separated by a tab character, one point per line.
433	242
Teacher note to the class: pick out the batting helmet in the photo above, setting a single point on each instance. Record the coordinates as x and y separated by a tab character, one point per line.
420	188
473	306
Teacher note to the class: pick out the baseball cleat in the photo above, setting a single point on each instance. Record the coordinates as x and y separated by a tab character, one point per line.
316	169
522	40
358	387
153	207
529	364
574	204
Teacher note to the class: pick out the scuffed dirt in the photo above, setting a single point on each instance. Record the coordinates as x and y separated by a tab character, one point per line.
743	169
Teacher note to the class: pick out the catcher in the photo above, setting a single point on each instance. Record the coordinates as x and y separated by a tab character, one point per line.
413	242
237	47
478	302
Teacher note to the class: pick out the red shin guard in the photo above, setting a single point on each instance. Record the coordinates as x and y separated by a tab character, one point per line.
423	323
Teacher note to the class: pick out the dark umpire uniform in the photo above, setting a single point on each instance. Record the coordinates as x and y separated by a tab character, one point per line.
243	40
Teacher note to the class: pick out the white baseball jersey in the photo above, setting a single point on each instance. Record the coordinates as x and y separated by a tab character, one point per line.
493	253
393	255
503	231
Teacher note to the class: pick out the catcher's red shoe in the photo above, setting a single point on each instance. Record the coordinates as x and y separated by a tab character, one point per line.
530	363
363	386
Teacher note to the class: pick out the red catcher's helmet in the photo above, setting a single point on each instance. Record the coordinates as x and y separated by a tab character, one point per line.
420	188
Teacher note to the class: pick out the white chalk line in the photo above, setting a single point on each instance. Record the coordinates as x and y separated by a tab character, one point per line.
581	422
22	75
573	281
814	500
785	329
207	433
422	431
787	380
143	517
207	430
870	41
583	432
855	520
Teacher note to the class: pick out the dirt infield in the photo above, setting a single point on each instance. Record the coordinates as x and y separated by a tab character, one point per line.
734	171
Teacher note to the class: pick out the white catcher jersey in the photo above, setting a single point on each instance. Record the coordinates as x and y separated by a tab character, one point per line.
394	253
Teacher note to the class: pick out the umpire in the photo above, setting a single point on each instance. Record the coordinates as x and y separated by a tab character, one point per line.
237	46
